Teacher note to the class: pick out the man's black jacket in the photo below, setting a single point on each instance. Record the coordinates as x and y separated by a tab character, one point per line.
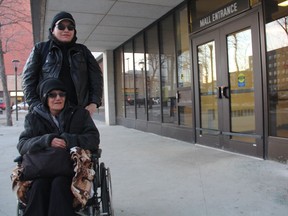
45	61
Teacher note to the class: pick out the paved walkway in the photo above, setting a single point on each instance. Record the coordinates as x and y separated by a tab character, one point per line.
154	175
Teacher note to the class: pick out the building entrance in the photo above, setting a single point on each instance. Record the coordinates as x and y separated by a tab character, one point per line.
227	70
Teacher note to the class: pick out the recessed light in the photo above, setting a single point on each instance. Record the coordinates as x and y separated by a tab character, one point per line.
283	4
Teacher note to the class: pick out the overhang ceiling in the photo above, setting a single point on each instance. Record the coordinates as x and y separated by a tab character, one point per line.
105	24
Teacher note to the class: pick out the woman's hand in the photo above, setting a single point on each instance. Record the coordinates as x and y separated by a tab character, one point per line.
58	143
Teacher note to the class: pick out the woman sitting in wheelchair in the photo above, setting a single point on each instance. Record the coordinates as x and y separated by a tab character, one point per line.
53	128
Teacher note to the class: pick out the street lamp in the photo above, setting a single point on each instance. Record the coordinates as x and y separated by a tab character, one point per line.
15	63
142	65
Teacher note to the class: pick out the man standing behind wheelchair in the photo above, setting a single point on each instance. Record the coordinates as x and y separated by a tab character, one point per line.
54	123
61	57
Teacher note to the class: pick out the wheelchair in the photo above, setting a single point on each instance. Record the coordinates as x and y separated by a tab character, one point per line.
101	201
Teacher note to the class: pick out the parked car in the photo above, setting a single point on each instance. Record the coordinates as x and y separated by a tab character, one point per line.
21	106
2	105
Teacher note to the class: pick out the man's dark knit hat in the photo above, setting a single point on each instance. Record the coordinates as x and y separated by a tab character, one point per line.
47	86
60	17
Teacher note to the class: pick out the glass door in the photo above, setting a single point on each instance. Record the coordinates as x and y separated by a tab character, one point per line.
228	87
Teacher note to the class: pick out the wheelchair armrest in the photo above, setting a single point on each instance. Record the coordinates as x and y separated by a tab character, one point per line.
97	153
18	159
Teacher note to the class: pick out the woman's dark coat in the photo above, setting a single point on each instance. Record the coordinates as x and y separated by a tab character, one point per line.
76	127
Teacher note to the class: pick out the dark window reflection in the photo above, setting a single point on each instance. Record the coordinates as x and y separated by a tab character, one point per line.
129	91
140	84
168	71
153	74
119	76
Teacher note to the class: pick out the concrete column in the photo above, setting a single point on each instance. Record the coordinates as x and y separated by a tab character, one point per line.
109	87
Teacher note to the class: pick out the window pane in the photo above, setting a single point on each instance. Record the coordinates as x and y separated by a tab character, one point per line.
277	67
183	52
207	82
241	73
129	81
140	86
168	71
153	74
184	69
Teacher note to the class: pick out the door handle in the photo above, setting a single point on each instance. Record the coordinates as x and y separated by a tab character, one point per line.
220	92
225	91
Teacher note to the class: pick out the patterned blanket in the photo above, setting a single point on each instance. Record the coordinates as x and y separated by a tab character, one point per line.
81	185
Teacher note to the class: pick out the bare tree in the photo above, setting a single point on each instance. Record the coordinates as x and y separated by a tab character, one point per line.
153	75
13	24
283	22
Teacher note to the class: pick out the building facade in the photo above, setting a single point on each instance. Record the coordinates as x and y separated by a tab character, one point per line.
214	74
17	43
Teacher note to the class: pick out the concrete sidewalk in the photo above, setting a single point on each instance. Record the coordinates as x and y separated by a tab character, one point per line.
154	175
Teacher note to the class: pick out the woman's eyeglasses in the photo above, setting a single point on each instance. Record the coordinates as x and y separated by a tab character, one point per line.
54	95
62	27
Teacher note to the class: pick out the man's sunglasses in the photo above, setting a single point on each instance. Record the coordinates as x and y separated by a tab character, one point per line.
62	27
54	95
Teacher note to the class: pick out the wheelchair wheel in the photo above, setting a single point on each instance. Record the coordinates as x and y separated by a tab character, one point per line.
20	209
89	211
106	190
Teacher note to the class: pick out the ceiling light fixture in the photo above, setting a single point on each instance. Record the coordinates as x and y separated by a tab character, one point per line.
283	4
